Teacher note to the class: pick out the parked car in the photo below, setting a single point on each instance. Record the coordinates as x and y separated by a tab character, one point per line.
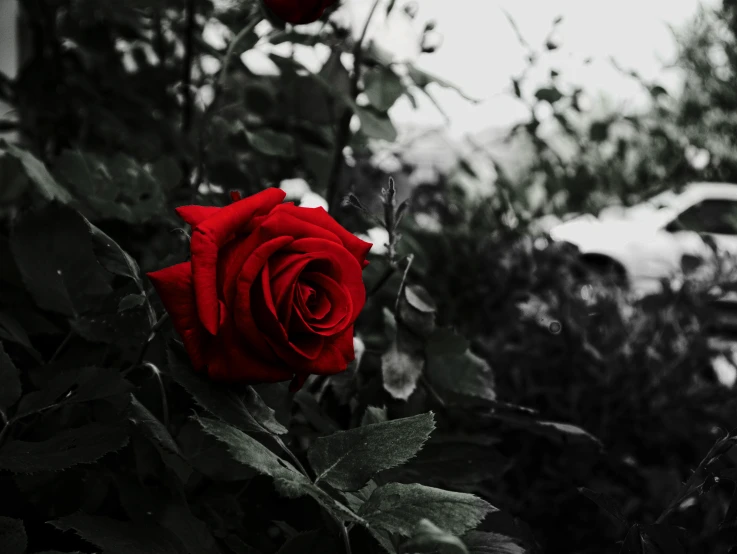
658	239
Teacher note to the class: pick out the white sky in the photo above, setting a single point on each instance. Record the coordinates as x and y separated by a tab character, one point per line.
481	53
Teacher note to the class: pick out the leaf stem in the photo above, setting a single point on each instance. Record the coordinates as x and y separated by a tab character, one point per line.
301	468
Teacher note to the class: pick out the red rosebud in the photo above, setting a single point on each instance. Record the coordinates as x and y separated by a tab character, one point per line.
298	12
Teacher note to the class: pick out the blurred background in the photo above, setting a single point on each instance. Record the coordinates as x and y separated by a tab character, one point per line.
571	168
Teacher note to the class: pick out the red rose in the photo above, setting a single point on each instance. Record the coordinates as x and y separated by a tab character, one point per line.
298	12
271	292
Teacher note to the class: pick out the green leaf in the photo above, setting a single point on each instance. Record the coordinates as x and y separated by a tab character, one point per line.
131	301
288	481
155	431
398	508
72	387
115	187
13	538
374	415
607	504
453	367
10	389
311	542
383	87
376	125
429	538
54	254
665	538
69	447
112	257
478	542
193	532
119	537
246	411
549	94
348	459
39	175
272	143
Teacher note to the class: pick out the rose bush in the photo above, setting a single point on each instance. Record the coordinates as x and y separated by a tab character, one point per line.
271	292
298	12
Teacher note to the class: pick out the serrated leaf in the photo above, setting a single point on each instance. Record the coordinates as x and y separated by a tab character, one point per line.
348	459
112	257
119	537
664	538
39	175
607	504
54	254
398	508
247	412
383	87
633	542
10	390
13	538
479	542
376	125
191	531
271	143
453	367
74	386
429	538
311	542
374	415
69	447
155	431
288	481
419	299
131	301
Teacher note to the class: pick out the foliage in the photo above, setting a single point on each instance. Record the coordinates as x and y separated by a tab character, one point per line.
495	401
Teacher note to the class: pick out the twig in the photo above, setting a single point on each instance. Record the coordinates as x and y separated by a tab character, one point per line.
688	487
219	86
61	346
144	347
344	127
187	66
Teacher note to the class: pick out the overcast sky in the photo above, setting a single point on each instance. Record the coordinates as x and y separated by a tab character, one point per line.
481	53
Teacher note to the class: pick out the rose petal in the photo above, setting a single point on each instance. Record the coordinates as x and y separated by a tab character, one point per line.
210	236
174	287
233	361
344	268
320	218
335	356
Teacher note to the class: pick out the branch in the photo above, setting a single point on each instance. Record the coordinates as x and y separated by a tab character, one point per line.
343	134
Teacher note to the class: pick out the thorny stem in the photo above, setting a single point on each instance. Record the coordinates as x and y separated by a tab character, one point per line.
341	526
344	127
